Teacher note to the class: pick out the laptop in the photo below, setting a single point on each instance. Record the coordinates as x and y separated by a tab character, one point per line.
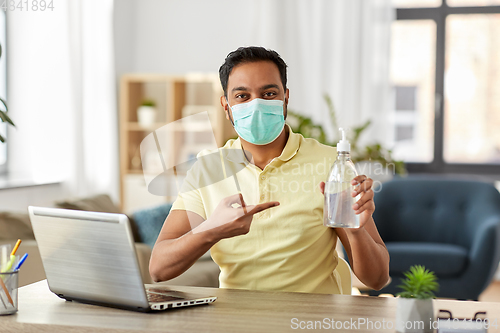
90	257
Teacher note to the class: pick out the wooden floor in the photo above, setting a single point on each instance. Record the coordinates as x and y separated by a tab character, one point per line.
492	293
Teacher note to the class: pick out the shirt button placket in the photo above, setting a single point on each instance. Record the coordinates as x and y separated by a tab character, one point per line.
263	195
261	188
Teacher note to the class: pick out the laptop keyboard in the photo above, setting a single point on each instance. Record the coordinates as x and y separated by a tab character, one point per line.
156	298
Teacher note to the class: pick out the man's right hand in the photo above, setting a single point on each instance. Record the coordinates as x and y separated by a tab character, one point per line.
185	236
232	217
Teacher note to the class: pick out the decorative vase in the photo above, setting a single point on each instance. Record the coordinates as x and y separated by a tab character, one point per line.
146	115
414	315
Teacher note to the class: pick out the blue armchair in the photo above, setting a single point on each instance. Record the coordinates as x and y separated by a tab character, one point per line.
452	227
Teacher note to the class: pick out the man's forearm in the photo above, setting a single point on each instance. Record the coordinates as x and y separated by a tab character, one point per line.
370	260
172	257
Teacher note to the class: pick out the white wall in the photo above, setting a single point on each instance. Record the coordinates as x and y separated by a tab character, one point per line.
124	23
176	37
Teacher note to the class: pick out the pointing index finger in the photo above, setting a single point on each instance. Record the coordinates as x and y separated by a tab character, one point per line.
243	205
263	206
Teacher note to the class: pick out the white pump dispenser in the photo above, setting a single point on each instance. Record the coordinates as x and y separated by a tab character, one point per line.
343	144
337	210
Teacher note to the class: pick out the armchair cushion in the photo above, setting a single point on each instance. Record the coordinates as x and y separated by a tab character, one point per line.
443	259
149	222
15	225
97	203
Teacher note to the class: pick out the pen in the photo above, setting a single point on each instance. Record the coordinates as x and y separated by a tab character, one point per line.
19	264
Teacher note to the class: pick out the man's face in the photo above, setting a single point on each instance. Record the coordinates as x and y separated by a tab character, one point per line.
251	80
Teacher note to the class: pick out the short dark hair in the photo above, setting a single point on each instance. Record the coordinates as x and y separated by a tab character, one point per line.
250	54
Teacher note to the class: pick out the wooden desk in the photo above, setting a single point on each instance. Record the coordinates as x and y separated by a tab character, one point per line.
234	311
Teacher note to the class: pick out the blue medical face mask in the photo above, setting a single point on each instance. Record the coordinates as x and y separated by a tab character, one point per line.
259	121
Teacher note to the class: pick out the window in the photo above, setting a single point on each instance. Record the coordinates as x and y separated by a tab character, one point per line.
405	120
3	89
445	72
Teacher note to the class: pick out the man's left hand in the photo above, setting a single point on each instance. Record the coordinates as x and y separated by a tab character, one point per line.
365	206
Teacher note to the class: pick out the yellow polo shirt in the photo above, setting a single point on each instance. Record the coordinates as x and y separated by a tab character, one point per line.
287	247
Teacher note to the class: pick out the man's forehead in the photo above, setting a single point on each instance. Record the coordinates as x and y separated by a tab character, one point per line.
252	74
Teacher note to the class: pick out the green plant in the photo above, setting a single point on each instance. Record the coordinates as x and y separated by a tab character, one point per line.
148	102
3	114
419	283
374	152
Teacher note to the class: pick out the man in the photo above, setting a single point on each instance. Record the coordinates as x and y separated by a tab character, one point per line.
279	243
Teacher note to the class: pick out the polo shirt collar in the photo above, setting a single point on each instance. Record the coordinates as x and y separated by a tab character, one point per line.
292	145
235	153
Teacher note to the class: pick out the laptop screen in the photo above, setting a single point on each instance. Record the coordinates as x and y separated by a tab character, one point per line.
89	256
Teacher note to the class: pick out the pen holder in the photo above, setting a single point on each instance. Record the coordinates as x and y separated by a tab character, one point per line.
8	292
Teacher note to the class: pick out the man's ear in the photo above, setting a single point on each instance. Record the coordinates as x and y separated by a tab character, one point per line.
285	104
224	104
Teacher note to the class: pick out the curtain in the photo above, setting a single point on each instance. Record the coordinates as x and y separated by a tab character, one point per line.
332	46
94	154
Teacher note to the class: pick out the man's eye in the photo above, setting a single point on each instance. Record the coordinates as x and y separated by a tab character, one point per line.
241	96
269	94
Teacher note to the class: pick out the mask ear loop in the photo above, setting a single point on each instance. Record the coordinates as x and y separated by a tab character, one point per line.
228	113
232	123
285	106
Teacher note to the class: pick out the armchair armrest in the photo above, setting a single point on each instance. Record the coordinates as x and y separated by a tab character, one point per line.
484	255
487	231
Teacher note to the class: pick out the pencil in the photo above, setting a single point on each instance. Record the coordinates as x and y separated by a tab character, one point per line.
6	292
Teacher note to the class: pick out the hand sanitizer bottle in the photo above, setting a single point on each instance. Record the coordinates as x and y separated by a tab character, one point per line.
337	211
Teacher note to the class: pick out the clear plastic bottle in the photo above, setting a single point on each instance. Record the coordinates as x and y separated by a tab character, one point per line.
338	211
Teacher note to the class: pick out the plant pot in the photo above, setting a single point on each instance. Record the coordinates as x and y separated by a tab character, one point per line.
414	315
146	115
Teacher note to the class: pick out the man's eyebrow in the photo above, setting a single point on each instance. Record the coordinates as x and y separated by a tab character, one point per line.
239	89
268	86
